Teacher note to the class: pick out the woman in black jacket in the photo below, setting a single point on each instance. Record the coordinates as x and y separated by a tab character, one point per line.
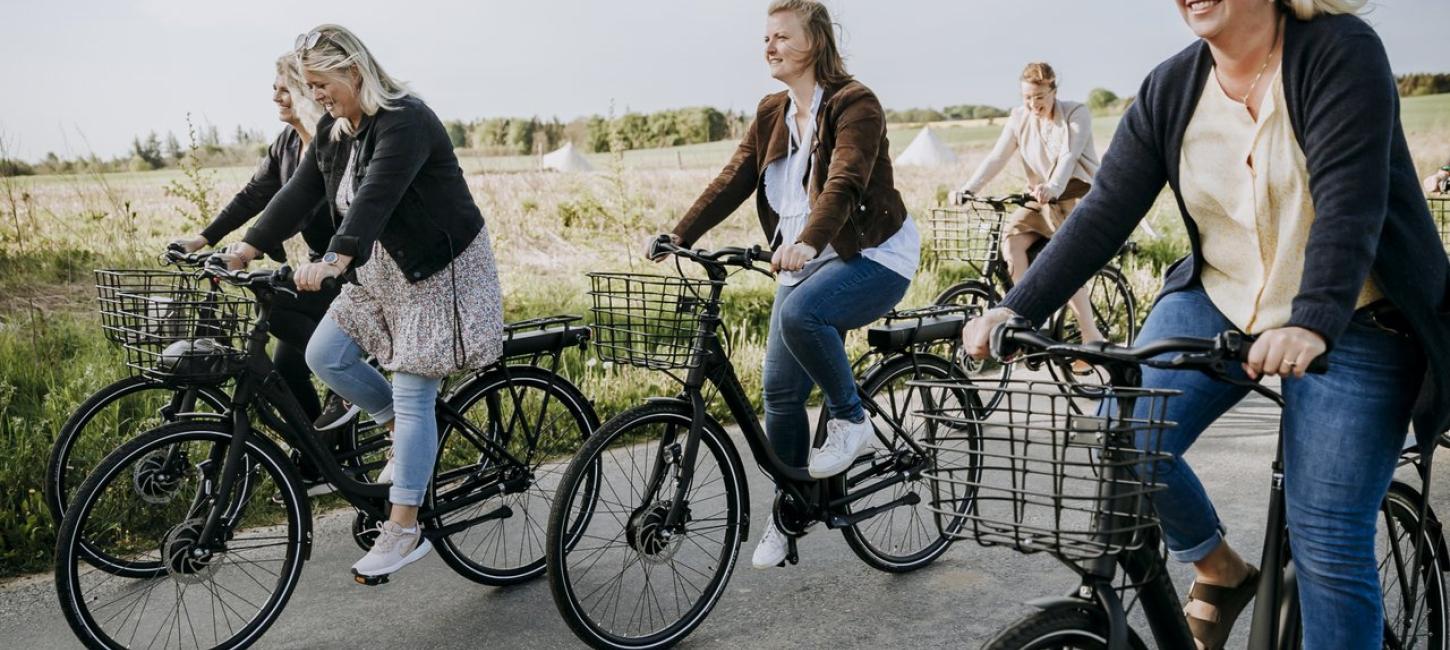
1279	134
293	320
426	302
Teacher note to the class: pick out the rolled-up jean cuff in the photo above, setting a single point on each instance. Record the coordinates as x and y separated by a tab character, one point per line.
1200	550
402	497
383	416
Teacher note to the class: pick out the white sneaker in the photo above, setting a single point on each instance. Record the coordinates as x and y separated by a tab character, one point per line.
394	549
844	441
772	548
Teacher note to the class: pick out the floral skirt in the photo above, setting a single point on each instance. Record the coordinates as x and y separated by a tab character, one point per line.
449	322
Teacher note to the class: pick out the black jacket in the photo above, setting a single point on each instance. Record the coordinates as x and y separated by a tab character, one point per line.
1370	216
272	173
409	192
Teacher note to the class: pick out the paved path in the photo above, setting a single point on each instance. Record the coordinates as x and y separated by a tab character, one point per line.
830	600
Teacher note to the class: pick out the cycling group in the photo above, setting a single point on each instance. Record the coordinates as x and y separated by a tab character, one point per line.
1314	260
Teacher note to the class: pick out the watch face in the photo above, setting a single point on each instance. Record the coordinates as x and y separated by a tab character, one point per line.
329	258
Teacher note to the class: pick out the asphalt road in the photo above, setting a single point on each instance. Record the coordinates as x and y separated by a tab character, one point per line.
830	599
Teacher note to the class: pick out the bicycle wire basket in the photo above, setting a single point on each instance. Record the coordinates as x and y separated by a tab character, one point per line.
971	234
649	321
1440	209
172	325
1048	471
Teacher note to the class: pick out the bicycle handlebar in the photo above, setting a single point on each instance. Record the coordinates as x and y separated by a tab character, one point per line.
1020	199
744	258
279	278
1209	354
177	256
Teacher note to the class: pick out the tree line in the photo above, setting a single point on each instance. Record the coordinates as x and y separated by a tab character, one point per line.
535	135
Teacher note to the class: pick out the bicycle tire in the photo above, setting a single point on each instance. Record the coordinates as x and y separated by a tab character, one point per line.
75	442
580	422
1401	510
632	432
260	455
1062	627
935	537
990	372
1115	310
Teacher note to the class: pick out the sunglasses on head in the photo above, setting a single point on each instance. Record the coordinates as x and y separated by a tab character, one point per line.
307	41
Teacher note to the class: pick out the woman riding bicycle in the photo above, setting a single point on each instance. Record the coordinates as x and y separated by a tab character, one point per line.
1280	137
293	319
1055	140
817	160
1438	181
426	302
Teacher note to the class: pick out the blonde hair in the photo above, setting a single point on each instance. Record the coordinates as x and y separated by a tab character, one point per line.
1041	74
1307	9
830	67
307	110
339	51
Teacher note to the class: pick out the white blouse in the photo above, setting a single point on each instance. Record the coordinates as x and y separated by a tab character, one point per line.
788	194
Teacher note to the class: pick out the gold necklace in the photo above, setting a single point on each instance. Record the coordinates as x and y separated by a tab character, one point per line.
1270	57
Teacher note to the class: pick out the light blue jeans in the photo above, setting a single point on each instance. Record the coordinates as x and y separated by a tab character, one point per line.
806	347
409	400
1343	431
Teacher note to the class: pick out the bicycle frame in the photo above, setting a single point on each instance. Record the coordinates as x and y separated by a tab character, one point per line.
259	390
714	367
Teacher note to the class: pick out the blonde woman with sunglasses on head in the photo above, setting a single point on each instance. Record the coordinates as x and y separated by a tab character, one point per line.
426	302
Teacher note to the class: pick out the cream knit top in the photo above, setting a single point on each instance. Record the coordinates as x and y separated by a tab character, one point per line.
1054	150
1246	185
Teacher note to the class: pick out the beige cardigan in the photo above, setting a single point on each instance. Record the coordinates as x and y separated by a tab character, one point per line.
1053	151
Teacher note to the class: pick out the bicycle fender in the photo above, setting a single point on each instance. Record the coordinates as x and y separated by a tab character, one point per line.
1059	602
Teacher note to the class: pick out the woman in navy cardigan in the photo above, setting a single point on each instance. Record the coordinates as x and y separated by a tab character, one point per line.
1280	128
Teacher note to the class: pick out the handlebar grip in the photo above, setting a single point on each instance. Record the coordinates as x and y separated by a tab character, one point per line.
1240	344
759	254
1005	341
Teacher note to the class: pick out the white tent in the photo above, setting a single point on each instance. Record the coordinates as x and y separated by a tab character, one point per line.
567	159
926	151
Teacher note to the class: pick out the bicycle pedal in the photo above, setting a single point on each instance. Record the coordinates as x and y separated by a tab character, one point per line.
791	556
370	581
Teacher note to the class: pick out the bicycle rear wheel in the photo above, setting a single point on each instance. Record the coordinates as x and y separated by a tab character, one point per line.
629	582
908	536
1414	617
541	420
222	596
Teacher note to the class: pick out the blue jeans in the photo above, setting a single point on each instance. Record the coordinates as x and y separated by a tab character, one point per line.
1343	432
408	401
806	347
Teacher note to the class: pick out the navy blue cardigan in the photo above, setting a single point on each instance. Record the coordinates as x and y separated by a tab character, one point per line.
1370	215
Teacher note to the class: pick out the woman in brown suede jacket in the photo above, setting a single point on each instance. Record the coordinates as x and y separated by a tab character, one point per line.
817	160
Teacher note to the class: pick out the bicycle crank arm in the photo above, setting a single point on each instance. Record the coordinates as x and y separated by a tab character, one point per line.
842	521
503	512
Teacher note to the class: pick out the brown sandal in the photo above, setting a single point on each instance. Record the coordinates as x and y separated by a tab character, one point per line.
1212	610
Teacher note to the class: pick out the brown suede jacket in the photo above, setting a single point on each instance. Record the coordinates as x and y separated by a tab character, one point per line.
854	202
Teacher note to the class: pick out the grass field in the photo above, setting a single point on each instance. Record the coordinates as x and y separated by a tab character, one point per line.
548	230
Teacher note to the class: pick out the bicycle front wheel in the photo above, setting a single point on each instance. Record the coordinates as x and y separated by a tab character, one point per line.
979	294
926	515
148	501
630	580
1060	628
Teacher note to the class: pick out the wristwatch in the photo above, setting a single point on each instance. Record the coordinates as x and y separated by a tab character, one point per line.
330	258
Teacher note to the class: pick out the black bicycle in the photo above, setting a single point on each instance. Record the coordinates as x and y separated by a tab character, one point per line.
1079	486
972	232
211	515
671	506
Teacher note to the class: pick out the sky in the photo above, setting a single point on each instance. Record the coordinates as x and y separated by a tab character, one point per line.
83	76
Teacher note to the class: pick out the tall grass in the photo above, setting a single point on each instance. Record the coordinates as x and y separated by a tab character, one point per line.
548	230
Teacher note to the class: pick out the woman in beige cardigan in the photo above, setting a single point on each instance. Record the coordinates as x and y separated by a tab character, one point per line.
1055	140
